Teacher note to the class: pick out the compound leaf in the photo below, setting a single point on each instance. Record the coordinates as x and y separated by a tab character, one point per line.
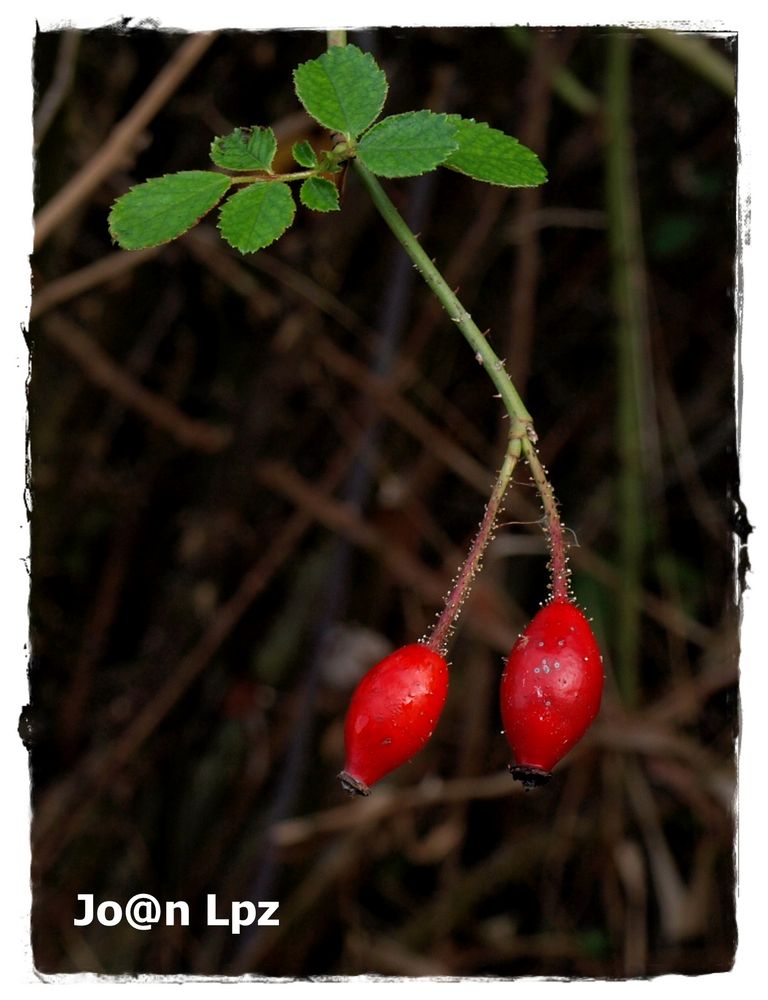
492	156
163	208
319	194
255	217
245	149
408	144
343	89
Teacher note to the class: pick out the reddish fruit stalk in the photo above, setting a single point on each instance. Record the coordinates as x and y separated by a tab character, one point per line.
550	690
393	712
558	559
440	634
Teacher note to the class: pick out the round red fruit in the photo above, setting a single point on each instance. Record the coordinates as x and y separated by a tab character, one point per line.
550	690
393	712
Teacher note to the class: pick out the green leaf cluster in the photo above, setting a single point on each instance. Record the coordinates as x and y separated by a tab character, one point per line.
344	90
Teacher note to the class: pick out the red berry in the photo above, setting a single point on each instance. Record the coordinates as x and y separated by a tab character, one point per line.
393	712
550	689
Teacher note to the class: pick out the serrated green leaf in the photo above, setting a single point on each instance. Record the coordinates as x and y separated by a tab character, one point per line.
163	208
255	217
492	156
343	89
408	144
319	194
304	154
245	149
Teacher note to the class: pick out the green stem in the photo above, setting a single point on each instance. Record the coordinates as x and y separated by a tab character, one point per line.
337	36
522	436
629	307
438	638
298	175
484	353
522	433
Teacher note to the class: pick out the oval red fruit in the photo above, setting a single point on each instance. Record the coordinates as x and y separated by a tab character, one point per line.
393	712
550	690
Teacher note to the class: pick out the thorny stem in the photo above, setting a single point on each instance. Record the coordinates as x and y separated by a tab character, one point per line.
522	435
558	563
521	432
437	640
484	353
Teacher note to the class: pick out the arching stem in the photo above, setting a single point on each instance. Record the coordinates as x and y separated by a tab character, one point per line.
522	434
484	353
522	423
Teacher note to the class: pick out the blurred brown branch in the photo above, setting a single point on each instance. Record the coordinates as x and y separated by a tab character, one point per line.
100	369
118	146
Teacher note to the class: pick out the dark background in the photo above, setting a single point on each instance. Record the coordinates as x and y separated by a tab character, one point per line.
251	477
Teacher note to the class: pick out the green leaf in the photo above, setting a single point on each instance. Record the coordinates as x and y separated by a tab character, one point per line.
165	207
304	154
319	194
408	144
343	89
492	156
245	149
255	217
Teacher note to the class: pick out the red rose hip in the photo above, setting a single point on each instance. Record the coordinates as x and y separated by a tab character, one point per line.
550	690
393	712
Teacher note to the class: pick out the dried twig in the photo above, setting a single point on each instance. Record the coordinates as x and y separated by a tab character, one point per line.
122	138
97	365
113	265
